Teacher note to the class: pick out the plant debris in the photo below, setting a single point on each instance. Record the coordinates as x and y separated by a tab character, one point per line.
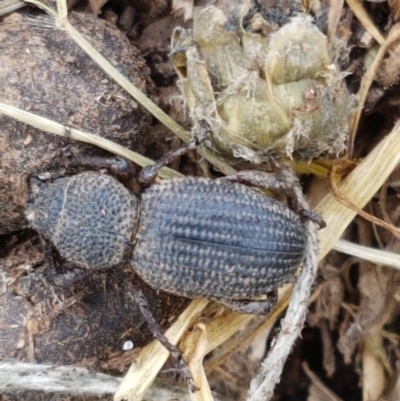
350	347
264	89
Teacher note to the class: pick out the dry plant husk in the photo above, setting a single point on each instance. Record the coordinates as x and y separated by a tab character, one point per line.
266	96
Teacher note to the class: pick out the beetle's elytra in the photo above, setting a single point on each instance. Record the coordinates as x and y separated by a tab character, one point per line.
193	237
203	238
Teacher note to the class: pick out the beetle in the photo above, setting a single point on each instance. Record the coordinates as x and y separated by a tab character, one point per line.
192	237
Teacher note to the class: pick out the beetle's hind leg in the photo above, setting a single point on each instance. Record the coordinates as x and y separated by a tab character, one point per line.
280	181
155	329
251	307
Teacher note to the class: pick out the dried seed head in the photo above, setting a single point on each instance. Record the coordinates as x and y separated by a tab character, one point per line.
90	218
263	96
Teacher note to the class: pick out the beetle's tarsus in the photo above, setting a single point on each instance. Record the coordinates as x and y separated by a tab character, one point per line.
117	166
314	217
252	307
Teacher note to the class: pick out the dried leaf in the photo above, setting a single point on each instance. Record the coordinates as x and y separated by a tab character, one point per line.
376	299
332	293
388	73
318	390
8	6
374	361
395	9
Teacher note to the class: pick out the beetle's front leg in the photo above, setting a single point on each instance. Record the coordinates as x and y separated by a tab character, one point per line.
261	307
149	173
123	170
155	329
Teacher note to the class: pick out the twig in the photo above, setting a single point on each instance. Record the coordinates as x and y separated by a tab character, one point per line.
143	371
366	20
21	376
263	384
46	125
367	80
8	6
376	256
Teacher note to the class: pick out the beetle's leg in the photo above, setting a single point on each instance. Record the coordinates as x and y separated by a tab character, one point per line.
52	272
280	181
48	255
70	278
36	180
262	307
155	329
122	169
314	217
149	173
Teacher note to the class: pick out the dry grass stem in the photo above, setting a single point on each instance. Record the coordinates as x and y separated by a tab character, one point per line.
263	384
62	10
195	344
242	338
21	376
144	370
63	23
46	125
318	390
375	256
45	7
359	187
366	20
8	6
375	220
368	78
221	330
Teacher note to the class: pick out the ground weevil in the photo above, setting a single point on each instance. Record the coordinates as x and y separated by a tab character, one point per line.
193	237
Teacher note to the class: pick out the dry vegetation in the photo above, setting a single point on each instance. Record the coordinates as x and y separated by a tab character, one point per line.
50	79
